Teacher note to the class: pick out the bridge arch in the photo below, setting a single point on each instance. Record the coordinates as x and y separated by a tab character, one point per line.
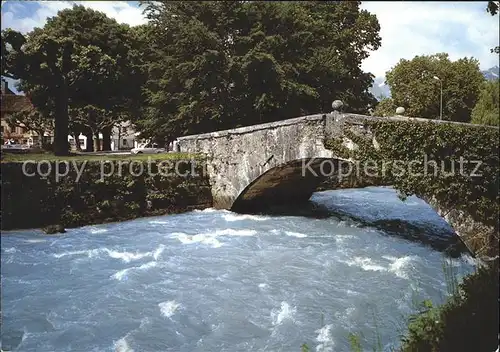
240	157
291	182
244	162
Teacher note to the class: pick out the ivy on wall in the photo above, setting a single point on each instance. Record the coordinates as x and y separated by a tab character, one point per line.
138	190
455	164
434	152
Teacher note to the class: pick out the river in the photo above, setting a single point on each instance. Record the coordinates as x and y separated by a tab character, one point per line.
217	281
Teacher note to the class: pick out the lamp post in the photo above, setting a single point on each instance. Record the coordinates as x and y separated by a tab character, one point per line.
441	100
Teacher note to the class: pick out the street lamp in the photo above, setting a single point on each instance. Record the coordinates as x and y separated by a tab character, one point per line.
441	103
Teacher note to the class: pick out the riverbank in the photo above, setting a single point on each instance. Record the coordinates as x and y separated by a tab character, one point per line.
74	192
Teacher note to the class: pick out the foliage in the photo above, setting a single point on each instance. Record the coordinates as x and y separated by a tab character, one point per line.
468	321
93	118
492	8
79	58
433	151
216	65
487	109
385	107
32	120
355	343
414	87
125	194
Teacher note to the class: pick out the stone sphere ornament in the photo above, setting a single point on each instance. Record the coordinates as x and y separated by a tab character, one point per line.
337	104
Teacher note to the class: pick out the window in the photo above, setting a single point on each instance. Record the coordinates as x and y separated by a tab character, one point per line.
124	142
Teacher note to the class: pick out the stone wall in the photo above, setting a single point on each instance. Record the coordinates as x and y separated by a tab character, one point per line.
239	156
35	201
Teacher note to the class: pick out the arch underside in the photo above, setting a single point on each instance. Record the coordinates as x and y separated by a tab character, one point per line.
293	182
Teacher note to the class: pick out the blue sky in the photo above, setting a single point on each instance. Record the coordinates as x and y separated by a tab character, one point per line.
462	29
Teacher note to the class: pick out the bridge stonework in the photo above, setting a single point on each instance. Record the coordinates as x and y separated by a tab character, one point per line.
267	156
256	166
238	157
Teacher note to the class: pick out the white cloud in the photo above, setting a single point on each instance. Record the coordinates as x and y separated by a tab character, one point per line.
14	17
421	28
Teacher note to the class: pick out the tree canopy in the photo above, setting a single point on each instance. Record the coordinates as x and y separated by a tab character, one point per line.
216	65
32	120
487	109
79	58
416	85
385	107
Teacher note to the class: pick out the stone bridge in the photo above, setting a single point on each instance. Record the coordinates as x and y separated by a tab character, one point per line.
282	162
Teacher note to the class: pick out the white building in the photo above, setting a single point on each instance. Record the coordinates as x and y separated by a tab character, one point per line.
123	137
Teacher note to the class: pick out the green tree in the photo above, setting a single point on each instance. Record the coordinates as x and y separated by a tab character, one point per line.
487	109
94	119
218	65
416	85
385	107
79	58
42	60
32	120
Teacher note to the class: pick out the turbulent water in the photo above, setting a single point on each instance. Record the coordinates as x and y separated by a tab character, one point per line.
218	281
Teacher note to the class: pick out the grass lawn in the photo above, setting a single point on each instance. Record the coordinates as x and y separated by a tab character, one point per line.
15	157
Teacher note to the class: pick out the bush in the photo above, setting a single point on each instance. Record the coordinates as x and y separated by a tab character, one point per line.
48	147
92	200
468	321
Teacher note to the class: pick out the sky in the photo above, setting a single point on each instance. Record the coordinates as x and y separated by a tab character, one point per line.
409	28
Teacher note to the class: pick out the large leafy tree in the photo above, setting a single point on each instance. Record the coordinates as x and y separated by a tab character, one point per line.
94	119
79	58
43	61
226	64
487	109
416	85
32	120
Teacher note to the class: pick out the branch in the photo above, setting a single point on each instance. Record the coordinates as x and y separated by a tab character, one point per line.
75	79
13	122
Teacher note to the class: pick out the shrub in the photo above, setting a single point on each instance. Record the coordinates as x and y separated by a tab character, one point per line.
48	147
468	321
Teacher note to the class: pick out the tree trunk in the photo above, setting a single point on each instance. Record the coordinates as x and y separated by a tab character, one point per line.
106	138
61	145
119	137
90	146
97	144
77	141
